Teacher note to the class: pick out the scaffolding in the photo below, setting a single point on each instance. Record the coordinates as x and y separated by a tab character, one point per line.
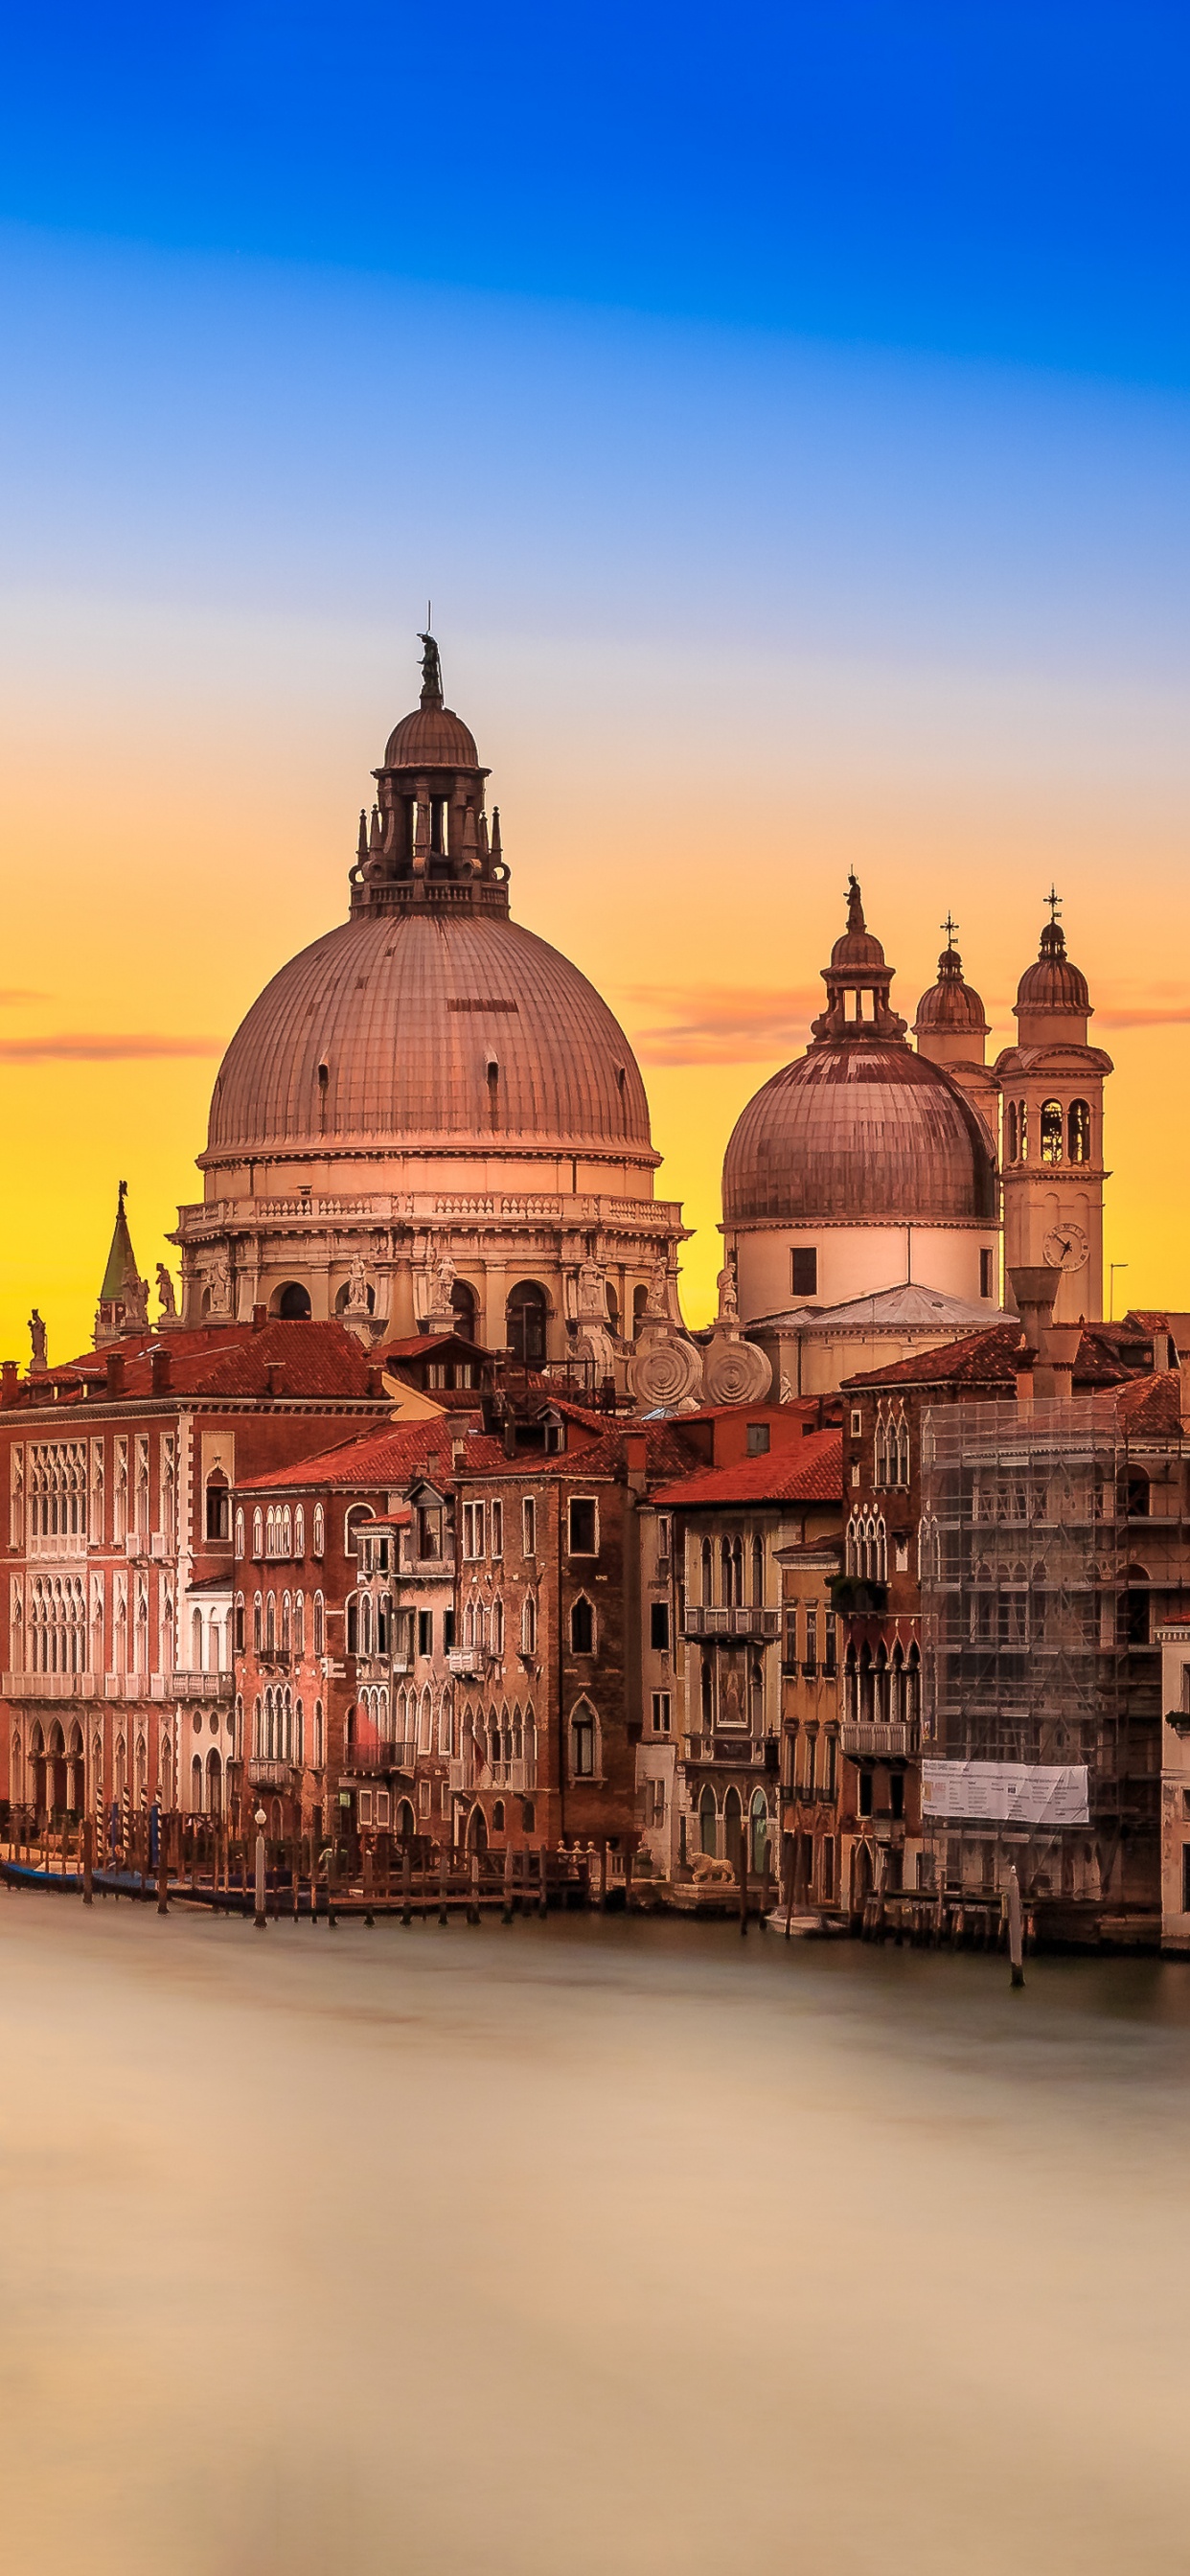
1037	1628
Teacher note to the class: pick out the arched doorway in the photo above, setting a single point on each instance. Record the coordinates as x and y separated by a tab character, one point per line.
74	1771
292	1302
37	1768
708	1823
405	1827
214	1784
477	1832
525	1324
55	1771
760	1832
733	1829
862	1878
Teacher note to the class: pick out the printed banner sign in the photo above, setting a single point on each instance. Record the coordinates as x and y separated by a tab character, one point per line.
1004	1793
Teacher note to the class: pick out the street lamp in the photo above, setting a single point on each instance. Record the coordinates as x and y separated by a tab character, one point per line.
1112	1268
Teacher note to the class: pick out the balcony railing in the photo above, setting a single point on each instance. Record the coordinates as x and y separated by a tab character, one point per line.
704	1619
363	1761
200	1685
888	1740
470	1659
266	1774
89	1685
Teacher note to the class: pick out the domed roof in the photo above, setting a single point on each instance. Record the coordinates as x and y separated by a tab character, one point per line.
1053	984
952	1004
858	1132
433	737
414	1030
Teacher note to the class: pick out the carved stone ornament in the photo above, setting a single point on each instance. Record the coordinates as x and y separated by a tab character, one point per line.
735	1371
665	1370
166	1290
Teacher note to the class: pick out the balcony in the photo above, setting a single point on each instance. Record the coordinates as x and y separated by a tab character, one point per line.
199	1685
888	1741
728	1625
473	1660
365	1761
88	1685
265	1774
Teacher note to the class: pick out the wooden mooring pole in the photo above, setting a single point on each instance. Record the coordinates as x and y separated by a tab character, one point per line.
1016	1931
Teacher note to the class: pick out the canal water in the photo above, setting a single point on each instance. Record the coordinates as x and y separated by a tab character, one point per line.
588	2245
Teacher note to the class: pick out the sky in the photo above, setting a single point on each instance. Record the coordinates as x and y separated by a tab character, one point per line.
786	412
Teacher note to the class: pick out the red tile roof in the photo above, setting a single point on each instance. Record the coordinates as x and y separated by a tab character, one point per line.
233	1360
386	1456
810	1471
666	1454
989	1360
1152	1404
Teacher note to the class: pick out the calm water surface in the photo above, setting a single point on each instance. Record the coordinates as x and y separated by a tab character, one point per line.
586	2245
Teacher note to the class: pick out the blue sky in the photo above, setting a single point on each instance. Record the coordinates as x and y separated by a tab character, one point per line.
787	412
1002	181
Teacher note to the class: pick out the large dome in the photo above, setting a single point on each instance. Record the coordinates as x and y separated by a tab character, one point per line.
855	1132
417	1030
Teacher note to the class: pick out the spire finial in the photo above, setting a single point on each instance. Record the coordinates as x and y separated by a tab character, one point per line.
1054	900
951	929
122	1197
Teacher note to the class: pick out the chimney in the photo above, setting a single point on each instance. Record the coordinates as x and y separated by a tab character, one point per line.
1163	1350
260	1317
376	1381
115	1372
159	1372
10	1371
275	1373
1054	1374
1033	1294
636	1457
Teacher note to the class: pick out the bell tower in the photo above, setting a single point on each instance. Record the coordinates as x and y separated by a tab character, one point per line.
1051	1095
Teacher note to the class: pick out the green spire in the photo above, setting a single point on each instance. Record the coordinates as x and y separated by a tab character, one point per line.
121	1273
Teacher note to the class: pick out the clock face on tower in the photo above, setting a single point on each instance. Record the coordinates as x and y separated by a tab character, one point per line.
1066	1247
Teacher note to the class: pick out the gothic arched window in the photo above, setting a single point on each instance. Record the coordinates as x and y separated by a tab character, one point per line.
1078	1128
1051	1131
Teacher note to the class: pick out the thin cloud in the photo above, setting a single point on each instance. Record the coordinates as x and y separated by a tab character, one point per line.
722	1023
1163	1006
69	1046
18	993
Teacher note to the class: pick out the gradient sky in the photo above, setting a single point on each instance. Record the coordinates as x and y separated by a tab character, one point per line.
788	417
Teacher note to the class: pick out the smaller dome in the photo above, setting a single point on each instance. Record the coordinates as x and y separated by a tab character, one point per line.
952	1004
431	738
1053	984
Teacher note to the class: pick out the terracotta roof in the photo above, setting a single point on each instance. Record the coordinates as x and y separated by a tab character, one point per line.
1152	1403
666	1454
232	1360
989	1360
809	1471
420	1345
381	1457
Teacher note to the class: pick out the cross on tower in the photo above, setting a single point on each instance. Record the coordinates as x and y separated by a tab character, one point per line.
950	927
1054	901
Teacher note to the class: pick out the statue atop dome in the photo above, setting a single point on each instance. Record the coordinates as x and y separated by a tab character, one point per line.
431	672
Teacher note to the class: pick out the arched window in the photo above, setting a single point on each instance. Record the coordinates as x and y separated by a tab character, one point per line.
1022	1130
584	1742
299	1532
319	1625
1012	1131
239	1533
706	1687
528	1625
286	1623
287	1532
218	1505
758	1574
365	1624
319	1743
640	1303
1051	1131
756	1695
760	1832
708	1823
257	1627
352	1518
258	1533
708	1572
319	1529
1078	1129
465	1310
299	1623
270	1624
582	1628
524	1323
732	1555
292	1302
